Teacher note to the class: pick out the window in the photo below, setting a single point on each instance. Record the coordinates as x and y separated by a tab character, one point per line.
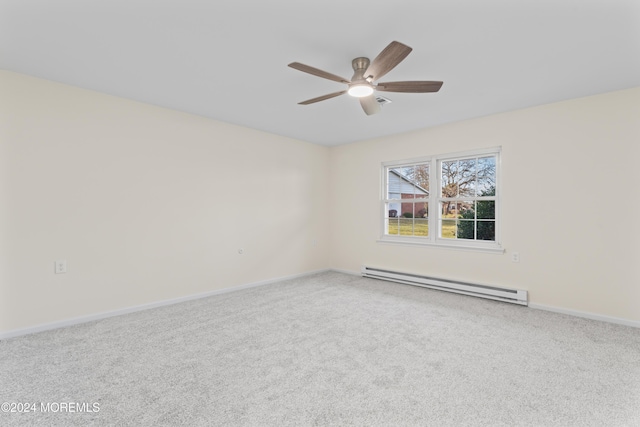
448	200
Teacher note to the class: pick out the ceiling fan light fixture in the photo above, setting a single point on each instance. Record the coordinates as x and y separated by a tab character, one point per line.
360	91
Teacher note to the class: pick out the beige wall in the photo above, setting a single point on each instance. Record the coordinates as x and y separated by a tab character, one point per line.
570	203
145	204
148	204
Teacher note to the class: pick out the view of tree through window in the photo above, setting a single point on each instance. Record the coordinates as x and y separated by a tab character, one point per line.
461	192
468	208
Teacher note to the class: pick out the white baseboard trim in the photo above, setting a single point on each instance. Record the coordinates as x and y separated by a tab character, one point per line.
353	273
586	315
133	309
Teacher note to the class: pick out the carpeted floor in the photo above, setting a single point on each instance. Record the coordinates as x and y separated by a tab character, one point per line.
331	350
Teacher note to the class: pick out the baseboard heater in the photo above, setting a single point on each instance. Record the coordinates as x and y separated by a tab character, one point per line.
513	296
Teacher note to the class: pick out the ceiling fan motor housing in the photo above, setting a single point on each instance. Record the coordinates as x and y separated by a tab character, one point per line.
359	65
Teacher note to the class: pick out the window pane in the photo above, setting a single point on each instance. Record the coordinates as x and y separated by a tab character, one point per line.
407	209
406	226
421	227
449	210
395	182
448	229
421	180
450	179
467	178
486	209
393	226
487	176
393	210
421	210
466	229
486	230
466	210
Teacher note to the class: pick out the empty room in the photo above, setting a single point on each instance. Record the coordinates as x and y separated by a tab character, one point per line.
292	213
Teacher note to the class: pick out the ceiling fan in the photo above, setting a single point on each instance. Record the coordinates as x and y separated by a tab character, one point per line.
366	73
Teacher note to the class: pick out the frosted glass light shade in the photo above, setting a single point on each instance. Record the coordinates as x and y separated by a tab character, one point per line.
360	91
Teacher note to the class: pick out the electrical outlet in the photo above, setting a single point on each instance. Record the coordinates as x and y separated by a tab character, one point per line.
515	257
61	266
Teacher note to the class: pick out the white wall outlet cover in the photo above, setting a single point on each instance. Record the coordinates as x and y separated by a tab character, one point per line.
61	266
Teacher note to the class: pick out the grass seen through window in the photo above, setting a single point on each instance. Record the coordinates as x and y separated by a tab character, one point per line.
418	227
408	227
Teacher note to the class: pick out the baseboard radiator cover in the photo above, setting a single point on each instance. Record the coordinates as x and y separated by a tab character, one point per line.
514	296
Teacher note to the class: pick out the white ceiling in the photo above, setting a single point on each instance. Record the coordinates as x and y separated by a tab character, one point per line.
228	59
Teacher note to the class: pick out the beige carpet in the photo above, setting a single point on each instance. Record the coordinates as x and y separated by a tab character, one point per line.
329	350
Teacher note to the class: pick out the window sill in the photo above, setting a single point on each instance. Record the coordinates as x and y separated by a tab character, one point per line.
462	246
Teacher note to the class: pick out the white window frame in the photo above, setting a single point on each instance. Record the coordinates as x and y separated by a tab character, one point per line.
434	199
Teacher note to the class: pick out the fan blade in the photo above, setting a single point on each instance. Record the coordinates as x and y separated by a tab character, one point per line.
391	56
409	86
317	72
370	105
322	98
